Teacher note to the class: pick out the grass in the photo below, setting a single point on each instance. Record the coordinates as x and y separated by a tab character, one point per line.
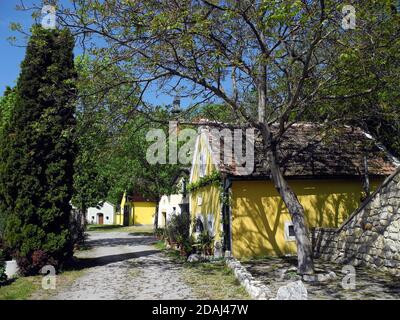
145	230
160	245
20	288
30	288
102	227
213	280
208	280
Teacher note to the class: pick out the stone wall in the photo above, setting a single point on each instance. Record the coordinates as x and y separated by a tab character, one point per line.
371	235
256	289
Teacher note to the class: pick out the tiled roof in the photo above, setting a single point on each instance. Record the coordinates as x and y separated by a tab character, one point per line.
309	151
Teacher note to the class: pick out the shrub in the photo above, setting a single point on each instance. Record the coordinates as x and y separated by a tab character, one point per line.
38	152
32	265
159	233
177	230
3	276
187	246
205	243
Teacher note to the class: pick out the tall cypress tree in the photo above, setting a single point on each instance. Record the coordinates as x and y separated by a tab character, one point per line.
7	103
38	154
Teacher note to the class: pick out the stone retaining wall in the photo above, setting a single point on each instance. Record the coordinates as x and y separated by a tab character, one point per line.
371	235
254	288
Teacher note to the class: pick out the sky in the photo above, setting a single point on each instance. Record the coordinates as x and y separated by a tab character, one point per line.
11	56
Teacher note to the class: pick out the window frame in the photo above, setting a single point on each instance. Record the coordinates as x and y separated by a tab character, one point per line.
288	237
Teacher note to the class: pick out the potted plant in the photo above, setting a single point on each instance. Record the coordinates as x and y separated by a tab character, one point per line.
206	243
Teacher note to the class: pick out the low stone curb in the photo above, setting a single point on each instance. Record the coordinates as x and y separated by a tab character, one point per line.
255	288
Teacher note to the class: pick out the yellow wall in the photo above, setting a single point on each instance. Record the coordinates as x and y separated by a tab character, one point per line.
259	214
139	212
119	218
210	205
119	215
143	212
210	194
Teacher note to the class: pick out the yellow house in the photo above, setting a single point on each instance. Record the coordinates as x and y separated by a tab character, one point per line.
244	212
136	210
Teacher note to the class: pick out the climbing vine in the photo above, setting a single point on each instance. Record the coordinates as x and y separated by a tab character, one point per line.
213	178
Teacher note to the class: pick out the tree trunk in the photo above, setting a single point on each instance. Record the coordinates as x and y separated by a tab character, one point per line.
366	184
156	216
296	210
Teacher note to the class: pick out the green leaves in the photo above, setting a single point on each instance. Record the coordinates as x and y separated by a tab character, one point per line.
213	178
111	139
37	152
7	103
3	276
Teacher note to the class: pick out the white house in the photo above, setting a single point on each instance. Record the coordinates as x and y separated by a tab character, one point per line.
103	214
170	205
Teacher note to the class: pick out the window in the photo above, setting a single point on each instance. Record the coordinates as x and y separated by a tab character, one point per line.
289	231
107	218
199	227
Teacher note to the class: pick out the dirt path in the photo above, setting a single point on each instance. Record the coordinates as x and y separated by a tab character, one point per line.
122	266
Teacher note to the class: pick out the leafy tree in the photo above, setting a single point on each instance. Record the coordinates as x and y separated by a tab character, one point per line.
3	275
93	126
111	138
128	170
38	153
222	51
6	106
370	67
212	112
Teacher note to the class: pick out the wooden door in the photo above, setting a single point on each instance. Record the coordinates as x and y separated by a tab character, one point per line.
101	218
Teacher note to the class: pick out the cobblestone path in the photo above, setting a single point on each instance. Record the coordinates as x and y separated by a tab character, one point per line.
123	266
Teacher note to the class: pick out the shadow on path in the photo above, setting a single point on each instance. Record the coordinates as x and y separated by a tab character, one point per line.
114	242
83	263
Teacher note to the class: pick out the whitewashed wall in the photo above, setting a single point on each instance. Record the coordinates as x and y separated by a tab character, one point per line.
107	209
167	205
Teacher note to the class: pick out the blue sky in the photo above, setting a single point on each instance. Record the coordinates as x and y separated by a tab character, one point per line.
11	56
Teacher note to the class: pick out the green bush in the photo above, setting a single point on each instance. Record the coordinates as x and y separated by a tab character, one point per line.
177	230
187	246
205	243
3	276
159	233
37	154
